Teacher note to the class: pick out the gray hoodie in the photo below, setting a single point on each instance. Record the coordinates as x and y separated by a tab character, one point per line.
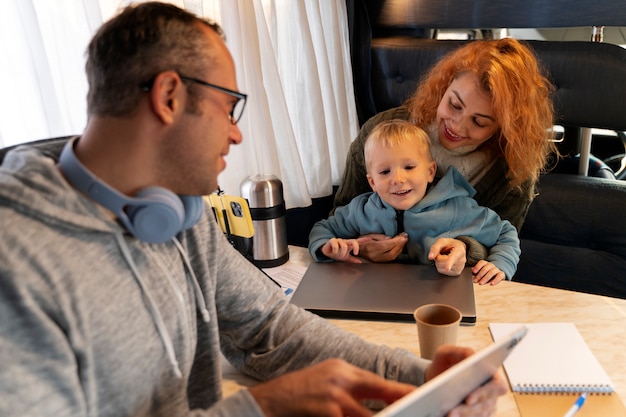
94	322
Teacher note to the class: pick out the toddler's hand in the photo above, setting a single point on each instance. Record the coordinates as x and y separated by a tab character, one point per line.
486	272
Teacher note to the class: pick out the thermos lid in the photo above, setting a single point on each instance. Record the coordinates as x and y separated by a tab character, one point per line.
262	190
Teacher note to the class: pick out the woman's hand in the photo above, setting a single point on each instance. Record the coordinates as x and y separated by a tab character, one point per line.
449	256
381	248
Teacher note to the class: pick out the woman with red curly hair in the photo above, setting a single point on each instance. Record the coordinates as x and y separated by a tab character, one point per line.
487	109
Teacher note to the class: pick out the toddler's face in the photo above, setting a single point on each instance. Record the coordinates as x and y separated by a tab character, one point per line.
400	174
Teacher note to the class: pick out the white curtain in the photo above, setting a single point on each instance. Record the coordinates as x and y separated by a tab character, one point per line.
292	59
44	87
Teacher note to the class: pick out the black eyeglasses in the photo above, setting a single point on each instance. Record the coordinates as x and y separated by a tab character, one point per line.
240	104
237	110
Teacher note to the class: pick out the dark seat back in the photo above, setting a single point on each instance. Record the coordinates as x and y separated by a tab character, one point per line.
490	14
590	77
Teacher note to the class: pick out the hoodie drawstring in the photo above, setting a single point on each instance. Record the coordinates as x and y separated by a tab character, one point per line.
195	285
156	315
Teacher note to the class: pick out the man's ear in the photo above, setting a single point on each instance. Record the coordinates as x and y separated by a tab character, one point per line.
166	96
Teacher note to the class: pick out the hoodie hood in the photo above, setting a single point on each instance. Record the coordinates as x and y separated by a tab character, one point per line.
32	183
452	185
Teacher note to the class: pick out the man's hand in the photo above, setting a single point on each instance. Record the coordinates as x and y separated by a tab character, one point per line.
330	388
449	256
381	248
483	400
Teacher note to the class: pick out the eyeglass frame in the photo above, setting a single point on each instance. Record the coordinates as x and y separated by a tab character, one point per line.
239	96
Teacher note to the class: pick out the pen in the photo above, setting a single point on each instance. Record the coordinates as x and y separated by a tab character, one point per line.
579	403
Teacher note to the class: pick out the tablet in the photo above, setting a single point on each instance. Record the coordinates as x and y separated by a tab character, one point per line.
447	390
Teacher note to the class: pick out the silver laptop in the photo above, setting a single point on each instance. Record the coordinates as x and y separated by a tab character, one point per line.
382	291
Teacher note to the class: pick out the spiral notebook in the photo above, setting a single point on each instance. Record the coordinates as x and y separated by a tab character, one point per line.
552	358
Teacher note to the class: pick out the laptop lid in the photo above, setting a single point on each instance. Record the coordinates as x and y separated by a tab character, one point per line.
382	291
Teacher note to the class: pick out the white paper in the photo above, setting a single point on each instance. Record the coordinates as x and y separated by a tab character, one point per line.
288	275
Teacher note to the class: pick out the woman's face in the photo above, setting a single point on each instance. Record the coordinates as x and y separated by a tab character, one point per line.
465	116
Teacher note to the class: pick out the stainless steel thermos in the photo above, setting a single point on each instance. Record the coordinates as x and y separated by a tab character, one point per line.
267	208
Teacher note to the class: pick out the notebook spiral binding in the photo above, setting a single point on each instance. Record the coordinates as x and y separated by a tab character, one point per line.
561	389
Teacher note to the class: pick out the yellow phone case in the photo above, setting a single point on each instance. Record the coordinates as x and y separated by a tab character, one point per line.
238	218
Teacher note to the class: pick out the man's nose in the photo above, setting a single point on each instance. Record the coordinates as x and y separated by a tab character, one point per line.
235	136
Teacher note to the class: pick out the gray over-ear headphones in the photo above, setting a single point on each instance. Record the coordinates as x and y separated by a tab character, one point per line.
154	215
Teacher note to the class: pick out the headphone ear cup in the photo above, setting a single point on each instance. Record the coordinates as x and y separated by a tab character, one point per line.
194	208
156	215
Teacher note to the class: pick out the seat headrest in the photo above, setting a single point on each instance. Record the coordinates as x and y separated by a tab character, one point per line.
590	77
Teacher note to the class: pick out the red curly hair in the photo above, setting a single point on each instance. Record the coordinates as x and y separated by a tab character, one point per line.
509	74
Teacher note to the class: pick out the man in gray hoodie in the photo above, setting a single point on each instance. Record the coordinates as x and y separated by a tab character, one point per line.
118	292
